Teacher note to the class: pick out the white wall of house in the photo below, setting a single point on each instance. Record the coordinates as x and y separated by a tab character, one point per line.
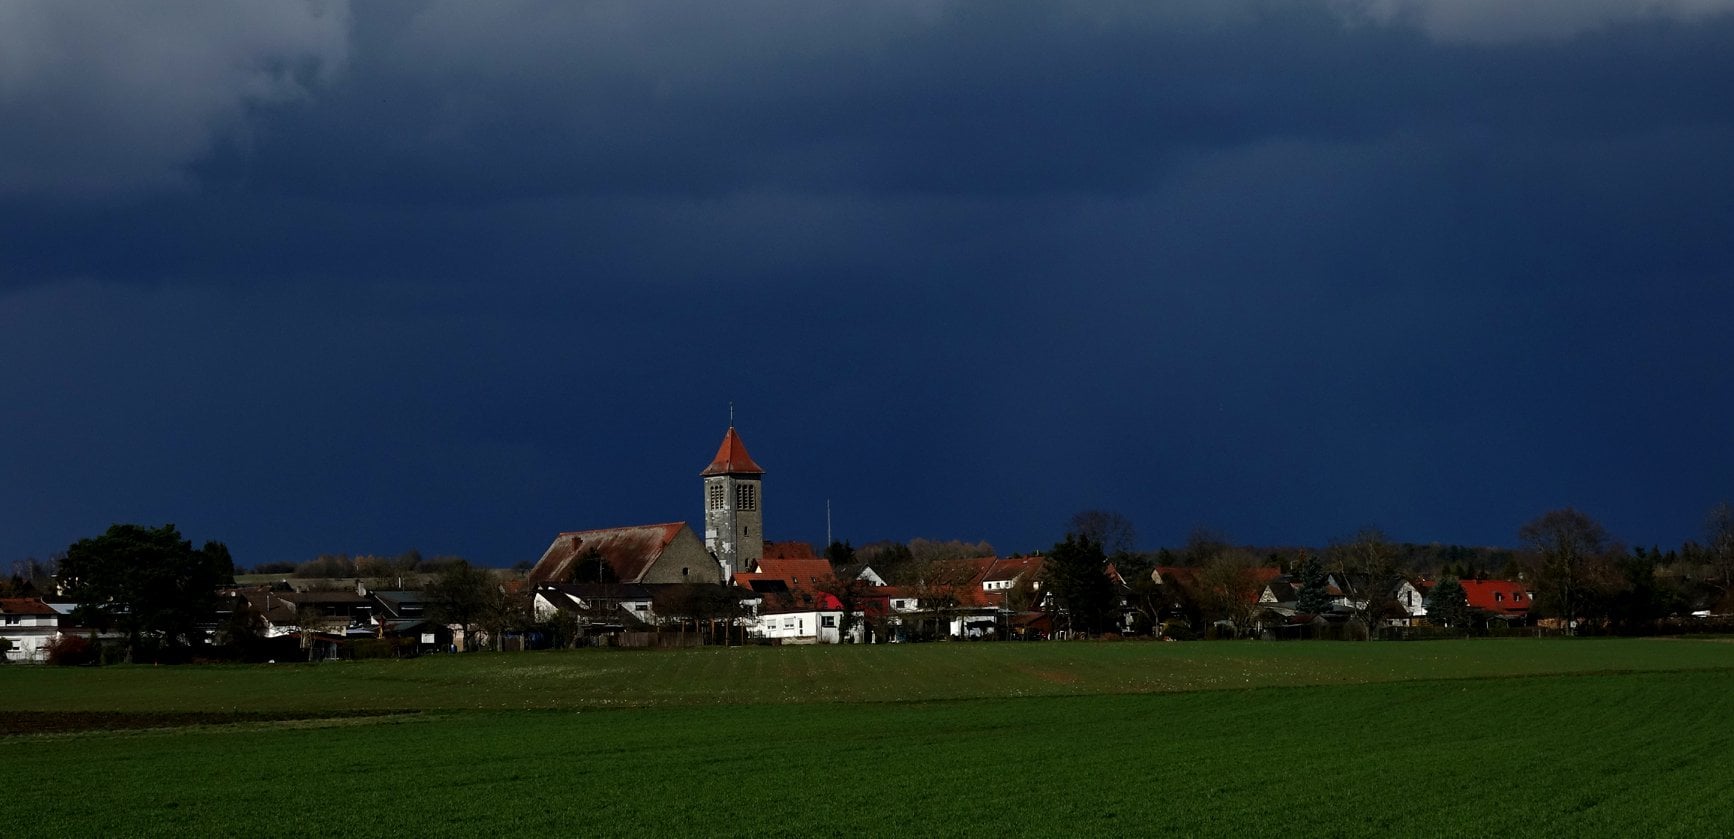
976	625
800	627
30	635
1412	602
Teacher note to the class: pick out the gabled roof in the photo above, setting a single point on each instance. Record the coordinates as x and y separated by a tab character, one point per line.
628	551
966	579
732	458
25	606
800	576
1504	597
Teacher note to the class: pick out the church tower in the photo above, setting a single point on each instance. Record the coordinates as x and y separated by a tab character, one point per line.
733	507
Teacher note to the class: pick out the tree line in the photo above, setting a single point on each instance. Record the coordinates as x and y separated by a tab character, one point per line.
1582	577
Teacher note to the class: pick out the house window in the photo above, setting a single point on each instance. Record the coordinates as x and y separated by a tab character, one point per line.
828	621
1498	597
746	497
716	496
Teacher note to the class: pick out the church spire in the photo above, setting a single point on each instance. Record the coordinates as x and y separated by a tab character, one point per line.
732	458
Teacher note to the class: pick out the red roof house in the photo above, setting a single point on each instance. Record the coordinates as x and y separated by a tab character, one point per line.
1500	598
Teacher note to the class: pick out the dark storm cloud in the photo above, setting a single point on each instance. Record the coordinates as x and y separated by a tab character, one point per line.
457	275
99	99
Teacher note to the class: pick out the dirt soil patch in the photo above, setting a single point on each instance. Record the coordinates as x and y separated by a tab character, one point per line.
60	722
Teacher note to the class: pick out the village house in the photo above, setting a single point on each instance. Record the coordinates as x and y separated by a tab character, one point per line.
790	592
1504	601
28	625
1411	602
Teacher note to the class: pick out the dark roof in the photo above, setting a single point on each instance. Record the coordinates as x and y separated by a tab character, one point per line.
732	458
402	597
600	591
308	598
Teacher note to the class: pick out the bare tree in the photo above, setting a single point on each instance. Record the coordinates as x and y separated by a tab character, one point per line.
929	550
1368	562
1566	542
1114	532
461	597
1203	545
935	582
851	593
1719	536
1227	587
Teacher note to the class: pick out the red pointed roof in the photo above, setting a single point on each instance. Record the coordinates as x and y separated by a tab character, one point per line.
732	458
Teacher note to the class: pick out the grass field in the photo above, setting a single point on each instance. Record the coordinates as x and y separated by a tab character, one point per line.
1516	738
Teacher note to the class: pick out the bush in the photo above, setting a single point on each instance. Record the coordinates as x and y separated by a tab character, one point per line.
72	650
381	648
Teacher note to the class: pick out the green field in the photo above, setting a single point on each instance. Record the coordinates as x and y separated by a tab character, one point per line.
1514	738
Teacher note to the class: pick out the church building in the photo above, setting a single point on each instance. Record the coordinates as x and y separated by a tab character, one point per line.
734	536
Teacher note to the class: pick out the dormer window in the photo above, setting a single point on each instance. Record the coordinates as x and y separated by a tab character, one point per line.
1498	597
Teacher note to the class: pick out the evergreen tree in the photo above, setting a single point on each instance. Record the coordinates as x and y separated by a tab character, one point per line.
1076	573
1448	604
1314	597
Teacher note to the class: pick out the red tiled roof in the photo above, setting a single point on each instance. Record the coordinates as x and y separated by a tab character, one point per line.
25	606
1503	596
732	458
1187	576
629	551
800	575
966	579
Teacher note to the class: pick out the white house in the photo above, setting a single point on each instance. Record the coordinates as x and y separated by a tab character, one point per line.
30	625
815	627
1412	601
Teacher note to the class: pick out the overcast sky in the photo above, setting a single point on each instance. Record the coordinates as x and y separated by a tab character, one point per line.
319	277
